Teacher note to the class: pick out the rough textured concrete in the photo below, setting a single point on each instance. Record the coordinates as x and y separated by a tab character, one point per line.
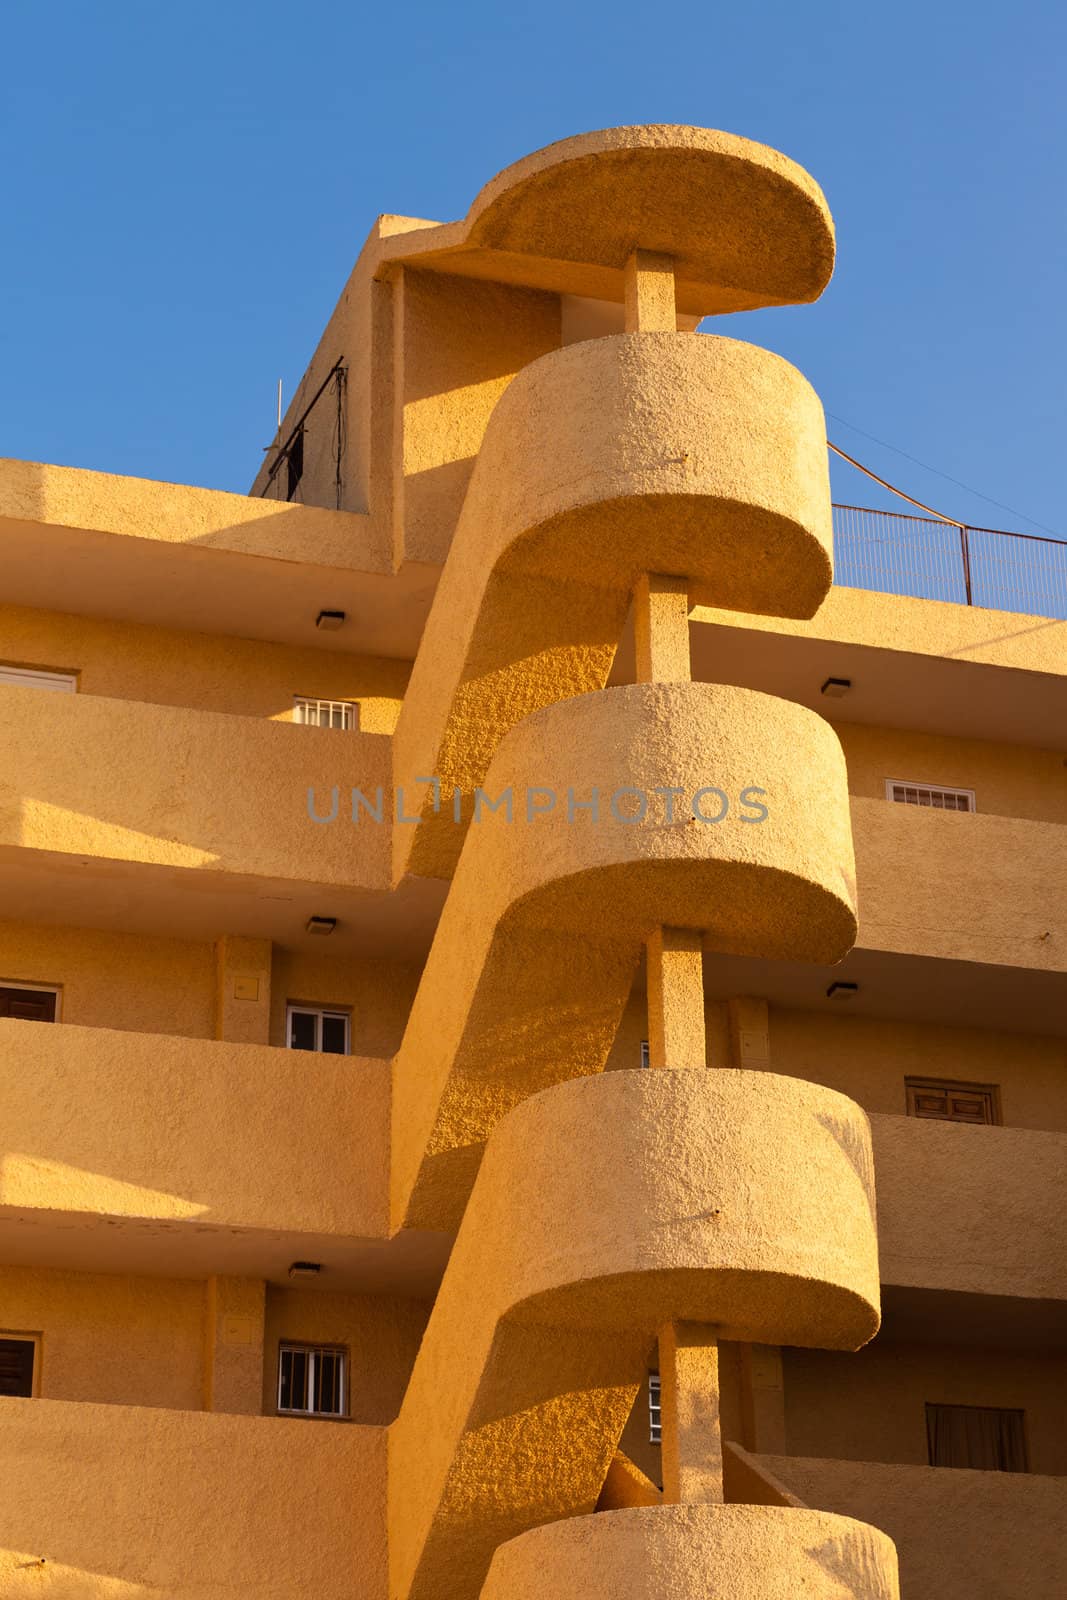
698	1553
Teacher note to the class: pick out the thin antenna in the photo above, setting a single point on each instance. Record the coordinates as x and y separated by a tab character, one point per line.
279	405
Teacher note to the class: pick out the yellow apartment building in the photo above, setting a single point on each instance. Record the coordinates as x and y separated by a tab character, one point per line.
533	1045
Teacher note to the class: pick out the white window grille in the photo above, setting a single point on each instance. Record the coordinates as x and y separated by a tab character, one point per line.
655	1414
315	713
32	678
928	794
317	1028
311	1380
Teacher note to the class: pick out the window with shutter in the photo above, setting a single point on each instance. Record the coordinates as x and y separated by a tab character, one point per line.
16	1366
33	1005
949	1101
984	1438
904	793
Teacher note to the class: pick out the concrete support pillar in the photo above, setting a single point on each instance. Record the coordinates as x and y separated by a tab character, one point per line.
242	990
763	1399
234	1311
750	1043
649	293
691	1438
675	981
661	629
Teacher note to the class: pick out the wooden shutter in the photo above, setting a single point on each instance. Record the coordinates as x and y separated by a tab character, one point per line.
950	1101
16	1367
33	1005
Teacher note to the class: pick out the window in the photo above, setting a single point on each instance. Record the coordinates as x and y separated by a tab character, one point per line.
294	464
655	1414
646	1058
32	678
316	1028
32	1005
311	1380
325	713
925	794
983	1437
17	1358
952	1102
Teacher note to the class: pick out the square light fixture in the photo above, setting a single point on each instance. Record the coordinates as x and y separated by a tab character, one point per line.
842	991
305	1269
320	925
330	621
834	688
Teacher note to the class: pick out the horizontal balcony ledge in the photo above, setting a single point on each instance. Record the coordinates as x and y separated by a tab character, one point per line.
958	1533
126	1500
176	556
971	1211
190	791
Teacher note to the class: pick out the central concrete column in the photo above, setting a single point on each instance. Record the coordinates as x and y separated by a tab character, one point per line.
661	629
648	281
675	982
691	1437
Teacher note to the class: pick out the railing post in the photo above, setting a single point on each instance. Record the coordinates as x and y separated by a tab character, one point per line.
966	550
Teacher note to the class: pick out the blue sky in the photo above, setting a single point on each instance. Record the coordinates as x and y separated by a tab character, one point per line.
187	187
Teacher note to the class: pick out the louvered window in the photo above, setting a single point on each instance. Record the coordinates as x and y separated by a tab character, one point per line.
948	1101
927	794
16	1366
33	1005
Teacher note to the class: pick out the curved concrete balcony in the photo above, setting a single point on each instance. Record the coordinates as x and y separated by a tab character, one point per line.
605	1208
641	452
698	1553
122	783
543	928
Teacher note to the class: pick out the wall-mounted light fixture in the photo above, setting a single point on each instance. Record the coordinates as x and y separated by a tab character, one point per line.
320	925
834	688
305	1269
842	991
330	621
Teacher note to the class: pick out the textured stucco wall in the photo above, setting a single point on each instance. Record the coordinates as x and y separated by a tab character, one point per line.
115	1339
180	788
380	1333
961	887
959	1535
869	1058
247	677
115	980
971	1209
1009	780
378	993
871	1406
143	1126
125	1504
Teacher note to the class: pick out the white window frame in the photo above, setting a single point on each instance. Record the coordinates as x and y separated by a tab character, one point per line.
313	1351
930	788
655	1409
37	678
318	1012
37	988
304	702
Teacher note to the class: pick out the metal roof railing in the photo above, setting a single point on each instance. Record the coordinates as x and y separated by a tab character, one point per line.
938	560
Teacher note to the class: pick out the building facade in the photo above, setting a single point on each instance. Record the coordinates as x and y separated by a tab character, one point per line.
532	1021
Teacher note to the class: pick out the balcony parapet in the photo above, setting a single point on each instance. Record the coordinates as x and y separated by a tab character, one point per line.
958	1533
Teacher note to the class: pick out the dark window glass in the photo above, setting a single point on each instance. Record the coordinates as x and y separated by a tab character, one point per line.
16	1367
301	1030
31	1004
292	1390
988	1438
295	464
333	1035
